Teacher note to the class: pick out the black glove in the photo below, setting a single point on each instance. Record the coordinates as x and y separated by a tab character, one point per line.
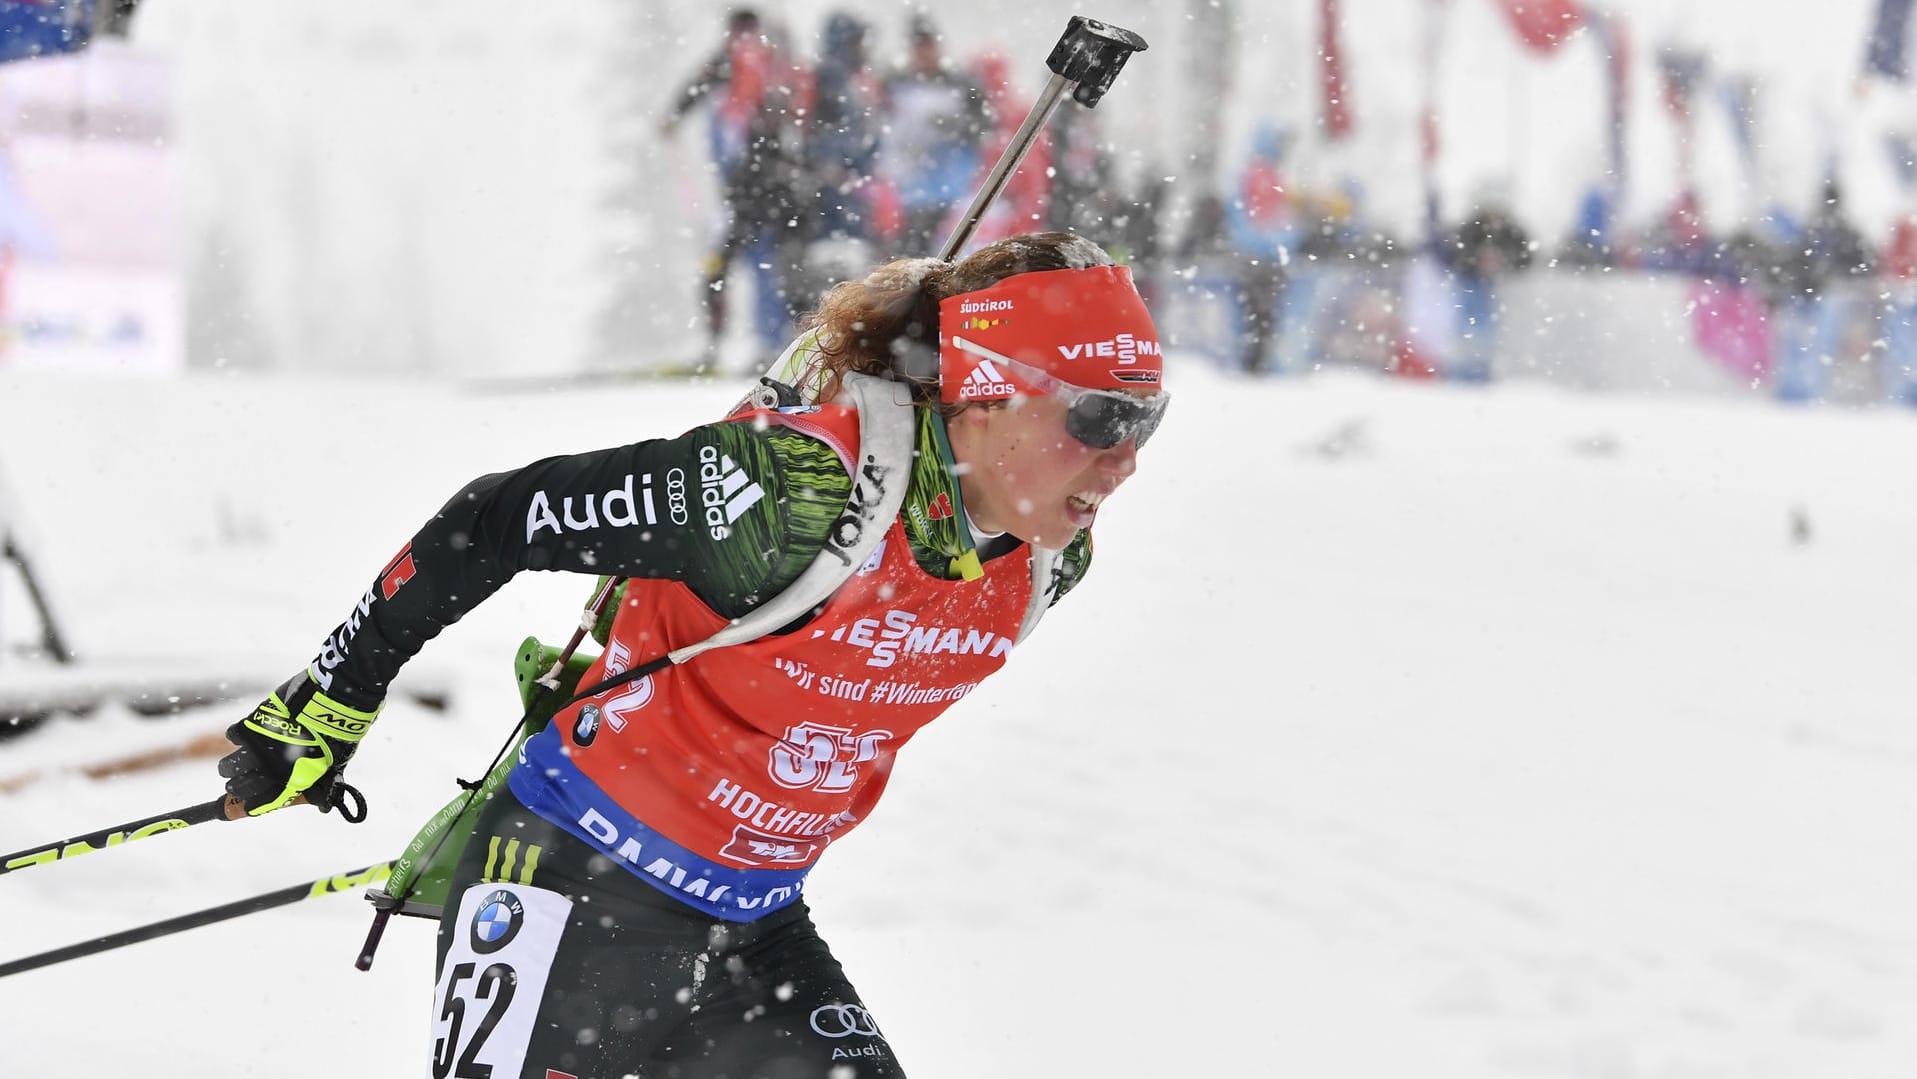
296	742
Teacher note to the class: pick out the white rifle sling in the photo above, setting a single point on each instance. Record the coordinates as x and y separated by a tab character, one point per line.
887	431
1044	578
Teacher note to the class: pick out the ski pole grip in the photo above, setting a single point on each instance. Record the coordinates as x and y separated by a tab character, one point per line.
1091	54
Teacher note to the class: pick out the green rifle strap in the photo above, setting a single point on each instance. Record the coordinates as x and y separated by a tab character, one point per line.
422	876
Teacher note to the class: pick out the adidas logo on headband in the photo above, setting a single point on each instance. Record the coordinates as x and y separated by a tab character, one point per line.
985	383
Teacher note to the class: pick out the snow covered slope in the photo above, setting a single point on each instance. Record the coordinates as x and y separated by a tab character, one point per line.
1400	731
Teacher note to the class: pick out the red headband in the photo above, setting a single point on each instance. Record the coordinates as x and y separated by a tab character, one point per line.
1086	327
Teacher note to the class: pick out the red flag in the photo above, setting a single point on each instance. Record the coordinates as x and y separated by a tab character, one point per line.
1337	115
1543	25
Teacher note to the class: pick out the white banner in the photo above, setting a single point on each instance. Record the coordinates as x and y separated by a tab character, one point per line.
90	274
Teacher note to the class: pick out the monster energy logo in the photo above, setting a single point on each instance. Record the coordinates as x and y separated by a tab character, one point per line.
501	859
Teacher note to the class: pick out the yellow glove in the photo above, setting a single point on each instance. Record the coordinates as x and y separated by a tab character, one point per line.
296	742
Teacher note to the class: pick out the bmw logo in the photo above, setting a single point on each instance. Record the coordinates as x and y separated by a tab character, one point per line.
498	921
586	727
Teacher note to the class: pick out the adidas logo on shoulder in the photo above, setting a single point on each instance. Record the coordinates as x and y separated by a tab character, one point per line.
985	383
725	491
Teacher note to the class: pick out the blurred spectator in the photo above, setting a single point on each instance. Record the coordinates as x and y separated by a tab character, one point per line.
754	95
1758	256
1591	243
1084	194
937	119
1899	267
737	71
841	155
1349	233
1813	308
1328	228
1835	248
1478	252
1201	291
1342	300
1206	237
1265	230
1680	243
1140	233
842	144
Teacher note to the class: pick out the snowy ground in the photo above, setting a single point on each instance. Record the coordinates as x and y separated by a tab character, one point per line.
1401	731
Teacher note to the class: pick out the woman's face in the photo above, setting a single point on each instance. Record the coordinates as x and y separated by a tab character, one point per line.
1020	472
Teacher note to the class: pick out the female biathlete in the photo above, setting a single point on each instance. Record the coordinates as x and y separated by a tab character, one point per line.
632	904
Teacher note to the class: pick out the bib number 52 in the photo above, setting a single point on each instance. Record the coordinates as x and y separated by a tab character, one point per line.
488	996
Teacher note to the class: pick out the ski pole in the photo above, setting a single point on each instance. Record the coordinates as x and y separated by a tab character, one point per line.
225	808
327	885
1086	59
351	805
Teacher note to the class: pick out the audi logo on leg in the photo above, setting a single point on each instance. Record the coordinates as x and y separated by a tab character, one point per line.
843	1021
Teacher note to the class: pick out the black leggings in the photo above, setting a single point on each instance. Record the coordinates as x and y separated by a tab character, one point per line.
628	980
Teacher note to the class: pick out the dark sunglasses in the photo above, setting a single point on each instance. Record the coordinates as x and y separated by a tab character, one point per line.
1100	419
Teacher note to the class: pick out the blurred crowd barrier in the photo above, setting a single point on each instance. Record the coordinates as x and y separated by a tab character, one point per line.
739	174
1851	341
